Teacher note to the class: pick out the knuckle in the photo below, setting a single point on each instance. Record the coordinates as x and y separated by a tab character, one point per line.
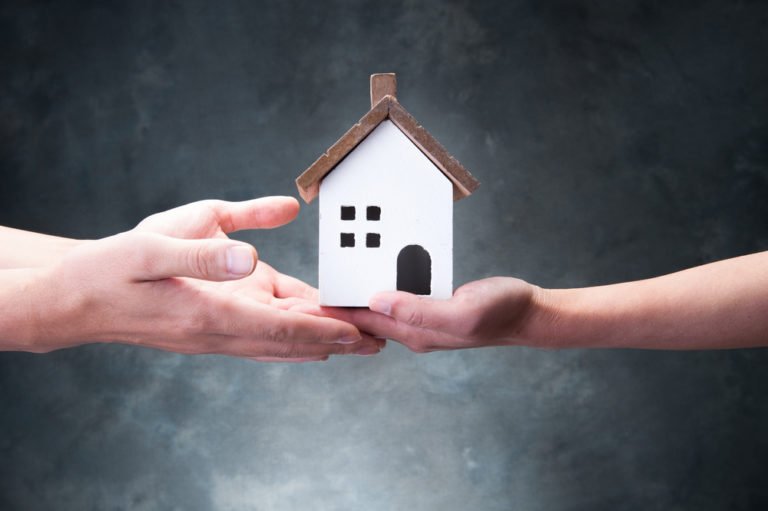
217	209
39	349
212	205
287	350
145	261
151	218
343	349
199	261
419	348
280	334
415	317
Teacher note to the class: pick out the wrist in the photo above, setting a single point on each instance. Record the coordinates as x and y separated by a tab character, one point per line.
19	302
57	249
31	249
538	320
556	319
582	318
37	316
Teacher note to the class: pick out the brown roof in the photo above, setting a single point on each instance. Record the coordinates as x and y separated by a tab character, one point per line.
384	106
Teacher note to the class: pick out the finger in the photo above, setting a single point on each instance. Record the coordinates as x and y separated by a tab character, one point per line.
156	257
417	311
290	360
258	348
373	323
263	213
293	304
316	310
244	318
251	348
378	325
287	286
298	327
305	307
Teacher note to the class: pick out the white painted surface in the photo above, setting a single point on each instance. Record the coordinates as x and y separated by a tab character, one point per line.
416	202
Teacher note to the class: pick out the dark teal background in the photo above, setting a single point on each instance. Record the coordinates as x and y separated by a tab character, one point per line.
614	140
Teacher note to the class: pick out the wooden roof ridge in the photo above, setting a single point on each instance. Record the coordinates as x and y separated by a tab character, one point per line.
385	106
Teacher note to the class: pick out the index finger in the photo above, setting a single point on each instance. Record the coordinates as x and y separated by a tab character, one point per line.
262	213
382	326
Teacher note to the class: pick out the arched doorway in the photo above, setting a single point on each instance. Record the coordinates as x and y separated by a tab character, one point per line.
414	270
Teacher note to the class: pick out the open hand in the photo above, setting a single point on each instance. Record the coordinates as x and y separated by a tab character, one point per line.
173	283
487	312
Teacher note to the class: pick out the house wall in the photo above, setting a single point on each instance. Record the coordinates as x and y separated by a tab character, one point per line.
388	171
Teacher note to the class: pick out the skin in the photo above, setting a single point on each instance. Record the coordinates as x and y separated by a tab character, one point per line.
176	282
716	306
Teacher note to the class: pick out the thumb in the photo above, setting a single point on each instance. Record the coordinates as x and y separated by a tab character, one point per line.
159	257
415	310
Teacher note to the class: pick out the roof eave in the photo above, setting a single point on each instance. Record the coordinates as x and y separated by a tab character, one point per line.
464	183
308	182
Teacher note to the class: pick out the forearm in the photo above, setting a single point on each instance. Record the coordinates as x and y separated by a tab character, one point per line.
20	304
24	249
719	305
36	314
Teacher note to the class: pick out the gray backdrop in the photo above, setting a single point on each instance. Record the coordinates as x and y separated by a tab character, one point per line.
615	140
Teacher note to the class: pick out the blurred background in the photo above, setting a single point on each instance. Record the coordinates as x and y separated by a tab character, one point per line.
614	140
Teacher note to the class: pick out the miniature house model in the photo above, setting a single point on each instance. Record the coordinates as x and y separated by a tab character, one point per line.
386	192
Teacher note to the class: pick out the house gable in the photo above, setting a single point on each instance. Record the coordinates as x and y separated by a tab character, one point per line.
385	108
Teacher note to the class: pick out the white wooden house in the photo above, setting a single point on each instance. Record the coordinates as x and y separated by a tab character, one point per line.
386	192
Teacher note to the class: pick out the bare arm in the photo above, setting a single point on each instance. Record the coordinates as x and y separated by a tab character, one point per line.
718	305
24	249
175	282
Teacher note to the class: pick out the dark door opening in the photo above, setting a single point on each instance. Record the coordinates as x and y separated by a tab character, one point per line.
414	270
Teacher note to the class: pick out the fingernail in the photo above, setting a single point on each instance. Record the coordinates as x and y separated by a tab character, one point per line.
349	339
239	260
367	350
380	306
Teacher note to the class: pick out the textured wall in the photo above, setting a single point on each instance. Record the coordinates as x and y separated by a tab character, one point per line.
615	140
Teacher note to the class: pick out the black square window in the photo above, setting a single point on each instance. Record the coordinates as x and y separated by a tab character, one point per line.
373	240
347	239
373	213
347	212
